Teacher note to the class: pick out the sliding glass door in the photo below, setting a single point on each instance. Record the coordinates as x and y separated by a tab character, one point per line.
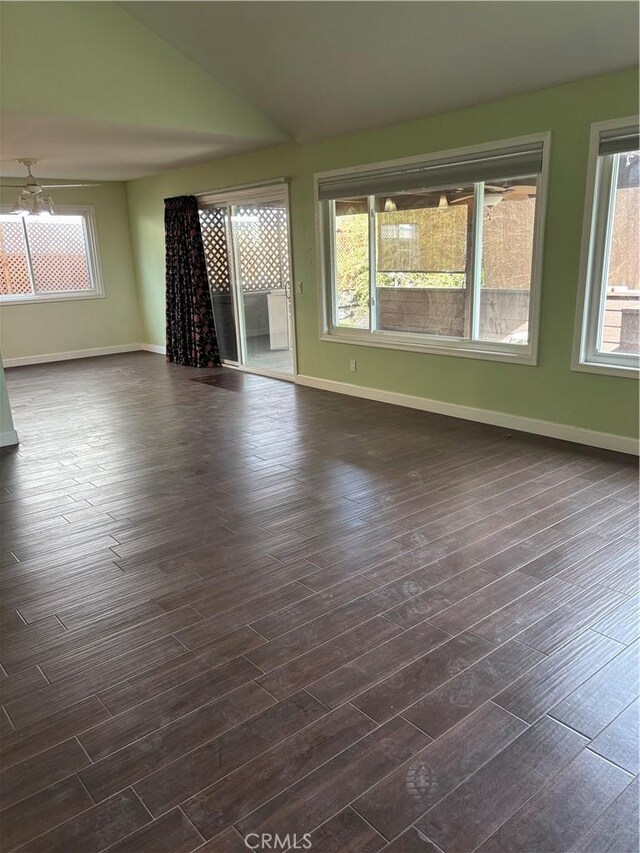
246	239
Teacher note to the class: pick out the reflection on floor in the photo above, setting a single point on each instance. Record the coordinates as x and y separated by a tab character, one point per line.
260	354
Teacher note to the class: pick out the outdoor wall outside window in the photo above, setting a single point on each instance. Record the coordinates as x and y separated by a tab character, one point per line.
440	254
608	317
44	258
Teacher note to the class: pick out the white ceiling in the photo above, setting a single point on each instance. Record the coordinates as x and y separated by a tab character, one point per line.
68	147
323	69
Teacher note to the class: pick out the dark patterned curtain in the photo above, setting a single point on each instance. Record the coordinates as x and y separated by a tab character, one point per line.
191	331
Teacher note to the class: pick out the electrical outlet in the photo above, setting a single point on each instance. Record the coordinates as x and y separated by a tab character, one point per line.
353	365
299	287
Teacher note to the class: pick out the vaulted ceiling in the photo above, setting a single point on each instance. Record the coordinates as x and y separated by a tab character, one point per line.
119	90
323	69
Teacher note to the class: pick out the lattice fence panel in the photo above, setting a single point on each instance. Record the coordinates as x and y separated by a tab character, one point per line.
58	254
262	250
14	269
214	240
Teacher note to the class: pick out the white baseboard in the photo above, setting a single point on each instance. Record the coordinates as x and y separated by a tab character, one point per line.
565	432
153	348
7	439
81	353
67	356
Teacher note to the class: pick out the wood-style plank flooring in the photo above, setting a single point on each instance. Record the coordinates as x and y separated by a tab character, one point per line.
236	606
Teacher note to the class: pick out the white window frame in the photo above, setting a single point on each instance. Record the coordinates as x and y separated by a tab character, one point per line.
416	342
87	213
596	227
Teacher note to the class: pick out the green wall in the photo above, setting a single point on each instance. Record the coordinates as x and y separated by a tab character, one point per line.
94	61
51	327
551	391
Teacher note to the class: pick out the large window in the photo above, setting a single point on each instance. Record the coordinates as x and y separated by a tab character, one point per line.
608	332
48	257
440	254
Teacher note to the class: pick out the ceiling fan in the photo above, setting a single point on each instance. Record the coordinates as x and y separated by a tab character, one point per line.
32	201
494	195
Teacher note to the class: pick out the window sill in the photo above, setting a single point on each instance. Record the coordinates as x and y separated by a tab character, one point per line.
523	355
619	370
46	297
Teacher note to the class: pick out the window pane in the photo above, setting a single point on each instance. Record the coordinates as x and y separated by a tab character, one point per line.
260	231
58	254
213	226
260	245
352	263
507	256
422	246
620	324
14	270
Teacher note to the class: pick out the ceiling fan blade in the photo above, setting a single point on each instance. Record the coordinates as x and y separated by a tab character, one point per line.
13	186
65	186
518	196
460	200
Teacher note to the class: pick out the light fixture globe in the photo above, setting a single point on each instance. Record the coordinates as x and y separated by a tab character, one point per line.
22	206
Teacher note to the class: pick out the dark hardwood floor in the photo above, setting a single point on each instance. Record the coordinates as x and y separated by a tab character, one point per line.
234	606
